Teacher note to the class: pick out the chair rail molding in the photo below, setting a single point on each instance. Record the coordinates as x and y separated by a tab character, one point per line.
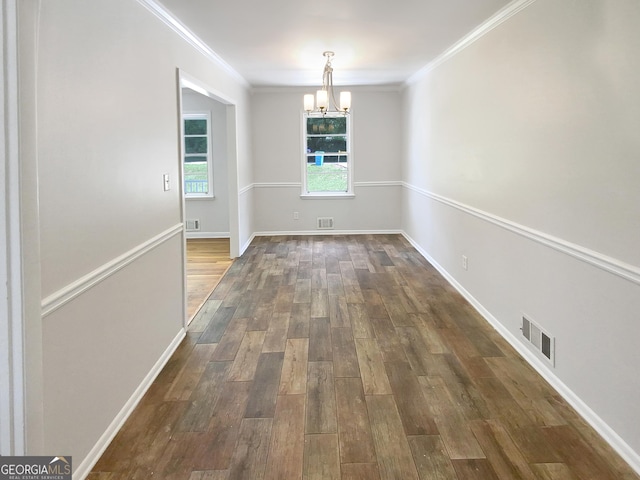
604	262
71	291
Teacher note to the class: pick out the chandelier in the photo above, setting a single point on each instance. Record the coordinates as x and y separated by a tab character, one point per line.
325	99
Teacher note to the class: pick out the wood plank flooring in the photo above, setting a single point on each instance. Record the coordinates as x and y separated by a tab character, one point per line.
207	261
349	357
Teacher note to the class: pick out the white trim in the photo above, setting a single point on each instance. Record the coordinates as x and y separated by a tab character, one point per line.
612	265
326	232
189	81
193	235
327	196
247	244
542	367
198	115
210	197
387	183
186	80
12	353
177	26
277	185
391	183
304	190
180	85
71	291
492	22
292	89
246	189
192	83
83	470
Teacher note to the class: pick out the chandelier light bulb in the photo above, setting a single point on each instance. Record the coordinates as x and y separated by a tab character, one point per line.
308	103
325	100
322	100
345	101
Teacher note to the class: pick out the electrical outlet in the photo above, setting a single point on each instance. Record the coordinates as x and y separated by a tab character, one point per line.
465	262
296	216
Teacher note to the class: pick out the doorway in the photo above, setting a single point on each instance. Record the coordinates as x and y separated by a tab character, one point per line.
211	219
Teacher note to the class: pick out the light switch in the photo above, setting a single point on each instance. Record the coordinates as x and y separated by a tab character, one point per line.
167	185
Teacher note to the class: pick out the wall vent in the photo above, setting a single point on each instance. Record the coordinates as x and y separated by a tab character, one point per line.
325	223
193	225
539	339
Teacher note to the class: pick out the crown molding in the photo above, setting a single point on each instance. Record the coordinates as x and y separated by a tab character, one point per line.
382	88
177	26
492	22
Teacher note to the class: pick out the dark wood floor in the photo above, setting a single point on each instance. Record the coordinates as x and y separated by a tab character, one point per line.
349	357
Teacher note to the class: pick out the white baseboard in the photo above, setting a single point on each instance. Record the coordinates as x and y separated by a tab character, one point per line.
605	431
247	243
317	232
83	470
327	232
189	234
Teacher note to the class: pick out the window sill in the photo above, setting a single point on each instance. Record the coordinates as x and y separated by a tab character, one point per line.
199	197
326	196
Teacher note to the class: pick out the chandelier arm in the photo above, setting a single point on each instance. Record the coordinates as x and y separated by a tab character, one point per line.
327	87
327	82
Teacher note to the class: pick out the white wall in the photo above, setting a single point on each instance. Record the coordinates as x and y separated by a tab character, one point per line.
213	213
521	152
105	109
277	149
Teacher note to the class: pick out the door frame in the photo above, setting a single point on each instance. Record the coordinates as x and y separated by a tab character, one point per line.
12	415
185	80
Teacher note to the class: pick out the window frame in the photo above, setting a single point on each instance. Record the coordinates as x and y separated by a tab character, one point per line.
349	193
203	115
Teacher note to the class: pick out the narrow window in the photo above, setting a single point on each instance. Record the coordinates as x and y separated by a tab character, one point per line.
198	165
327	162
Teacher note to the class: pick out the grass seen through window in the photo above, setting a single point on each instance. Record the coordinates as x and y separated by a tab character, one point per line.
328	177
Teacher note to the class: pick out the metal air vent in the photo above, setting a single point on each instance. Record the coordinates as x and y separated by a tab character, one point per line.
325	223
193	225
539	339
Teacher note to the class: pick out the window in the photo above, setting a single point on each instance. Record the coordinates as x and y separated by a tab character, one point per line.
327	168
197	162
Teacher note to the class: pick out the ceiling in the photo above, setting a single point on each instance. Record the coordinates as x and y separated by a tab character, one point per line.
376	42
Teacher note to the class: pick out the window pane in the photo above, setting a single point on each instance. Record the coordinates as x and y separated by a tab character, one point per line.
195	127
195	177
327	162
328	177
195	159
331	125
319	158
197	167
326	144
195	144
